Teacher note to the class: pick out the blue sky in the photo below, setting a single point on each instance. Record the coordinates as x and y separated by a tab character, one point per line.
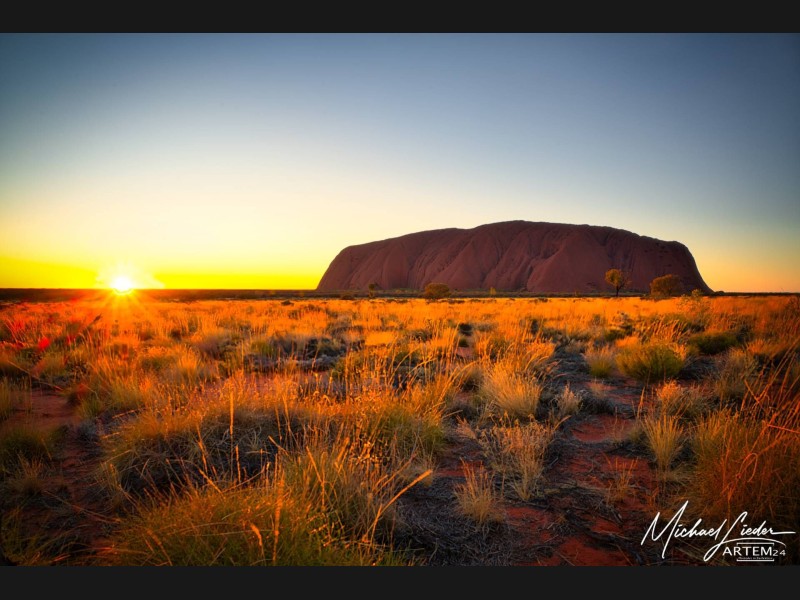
250	161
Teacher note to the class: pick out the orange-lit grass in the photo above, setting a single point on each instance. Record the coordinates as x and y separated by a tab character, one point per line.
738	369
655	361
178	372
568	402
601	361
747	458
664	435
323	505
516	452
687	402
477	498
22	442
508	393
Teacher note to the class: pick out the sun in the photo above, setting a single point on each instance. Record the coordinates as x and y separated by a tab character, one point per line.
124	278
122	284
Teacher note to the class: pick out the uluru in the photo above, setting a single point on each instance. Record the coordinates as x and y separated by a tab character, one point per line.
537	257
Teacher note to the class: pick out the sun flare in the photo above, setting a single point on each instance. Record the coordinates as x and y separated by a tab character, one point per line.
122	284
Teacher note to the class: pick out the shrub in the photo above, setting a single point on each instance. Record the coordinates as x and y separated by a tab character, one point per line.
465	329
666	286
436	291
712	343
649	362
613	334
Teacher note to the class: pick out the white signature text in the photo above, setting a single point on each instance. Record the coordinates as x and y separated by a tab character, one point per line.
722	534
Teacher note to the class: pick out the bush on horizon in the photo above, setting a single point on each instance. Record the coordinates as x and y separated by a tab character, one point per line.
436	291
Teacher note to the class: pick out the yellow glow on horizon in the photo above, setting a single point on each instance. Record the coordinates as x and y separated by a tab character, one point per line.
25	273
720	273
122	278
122	284
299	280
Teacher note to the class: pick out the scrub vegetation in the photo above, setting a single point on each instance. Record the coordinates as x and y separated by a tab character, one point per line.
390	430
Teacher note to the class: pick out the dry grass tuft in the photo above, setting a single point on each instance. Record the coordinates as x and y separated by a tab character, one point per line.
516	452
508	393
567	402
664	437
601	361
681	401
650	362
477	498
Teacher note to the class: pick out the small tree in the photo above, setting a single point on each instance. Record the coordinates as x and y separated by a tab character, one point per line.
618	279
372	287
436	291
665	286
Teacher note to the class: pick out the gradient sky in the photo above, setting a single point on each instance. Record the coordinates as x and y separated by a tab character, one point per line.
249	161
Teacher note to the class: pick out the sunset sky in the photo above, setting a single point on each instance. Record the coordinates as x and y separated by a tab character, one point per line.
249	161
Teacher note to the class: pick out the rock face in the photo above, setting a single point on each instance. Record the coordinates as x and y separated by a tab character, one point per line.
512	256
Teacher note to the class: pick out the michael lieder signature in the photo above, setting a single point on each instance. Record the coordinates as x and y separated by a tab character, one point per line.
738	532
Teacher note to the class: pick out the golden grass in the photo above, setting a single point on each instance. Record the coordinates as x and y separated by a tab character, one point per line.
680	400
748	458
649	362
620	483
507	393
664	437
567	402
213	418
737	371
516	452
601	361
316	509
477	498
